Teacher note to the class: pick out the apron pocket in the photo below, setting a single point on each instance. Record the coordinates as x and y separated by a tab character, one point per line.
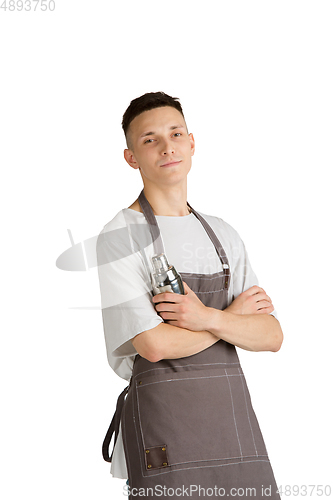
201	417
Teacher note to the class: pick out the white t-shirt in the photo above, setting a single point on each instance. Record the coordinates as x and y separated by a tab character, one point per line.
124	251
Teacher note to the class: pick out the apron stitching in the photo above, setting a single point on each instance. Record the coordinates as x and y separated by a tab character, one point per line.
248	416
193	378
206	466
200	276
139	447
138	407
123	425
191	364
233	411
217	459
137	439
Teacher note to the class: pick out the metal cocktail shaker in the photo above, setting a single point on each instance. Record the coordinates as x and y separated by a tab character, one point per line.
165	277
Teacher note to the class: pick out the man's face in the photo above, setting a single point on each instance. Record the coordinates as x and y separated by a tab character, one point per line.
161	148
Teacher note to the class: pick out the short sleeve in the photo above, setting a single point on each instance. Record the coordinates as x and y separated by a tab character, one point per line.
125	287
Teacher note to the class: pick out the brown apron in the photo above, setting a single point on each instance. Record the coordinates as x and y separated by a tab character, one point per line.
188	424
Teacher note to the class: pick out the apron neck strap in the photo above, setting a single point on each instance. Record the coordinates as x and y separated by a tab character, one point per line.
157	240
217	244
152	222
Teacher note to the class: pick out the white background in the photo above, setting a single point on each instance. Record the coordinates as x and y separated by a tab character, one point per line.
255	80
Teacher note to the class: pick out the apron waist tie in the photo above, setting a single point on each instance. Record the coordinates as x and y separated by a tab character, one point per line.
114	427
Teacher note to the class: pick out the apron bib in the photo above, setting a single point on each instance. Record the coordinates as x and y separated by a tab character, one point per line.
188	423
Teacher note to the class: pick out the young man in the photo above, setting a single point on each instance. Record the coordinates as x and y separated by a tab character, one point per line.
187	421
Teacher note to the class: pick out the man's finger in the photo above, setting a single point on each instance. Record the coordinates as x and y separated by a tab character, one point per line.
264	304
265	310
166	297
254	290
167	316
166	307
261	296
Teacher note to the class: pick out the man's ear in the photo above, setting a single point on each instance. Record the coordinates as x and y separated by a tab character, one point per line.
192	143
130	158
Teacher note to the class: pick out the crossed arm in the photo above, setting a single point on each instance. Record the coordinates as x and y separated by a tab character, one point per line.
190	327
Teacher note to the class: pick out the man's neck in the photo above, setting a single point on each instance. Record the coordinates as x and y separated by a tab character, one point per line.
166	201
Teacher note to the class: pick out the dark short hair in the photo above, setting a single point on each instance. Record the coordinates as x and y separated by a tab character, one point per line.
147	102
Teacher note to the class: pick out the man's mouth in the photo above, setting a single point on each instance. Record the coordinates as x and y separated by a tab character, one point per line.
171	163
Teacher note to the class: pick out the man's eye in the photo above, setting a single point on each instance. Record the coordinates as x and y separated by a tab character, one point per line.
148	140
178	134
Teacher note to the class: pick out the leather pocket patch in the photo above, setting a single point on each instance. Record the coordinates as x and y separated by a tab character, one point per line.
156	457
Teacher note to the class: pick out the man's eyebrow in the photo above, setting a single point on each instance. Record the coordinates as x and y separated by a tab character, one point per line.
147	133
173	127
176	126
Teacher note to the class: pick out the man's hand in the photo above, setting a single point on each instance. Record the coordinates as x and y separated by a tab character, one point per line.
185	311
243	323
252	301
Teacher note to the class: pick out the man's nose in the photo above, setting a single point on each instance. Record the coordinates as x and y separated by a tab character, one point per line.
167	147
